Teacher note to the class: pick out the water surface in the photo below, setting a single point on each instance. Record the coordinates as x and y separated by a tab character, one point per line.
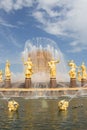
43	114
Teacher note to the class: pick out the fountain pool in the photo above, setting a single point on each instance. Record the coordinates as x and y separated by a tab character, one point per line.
43	114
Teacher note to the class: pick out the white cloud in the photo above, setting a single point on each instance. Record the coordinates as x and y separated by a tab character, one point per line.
52	28
57	17
19	4
53	14
48	5
64	17
9	5
76	46
39	16
74	43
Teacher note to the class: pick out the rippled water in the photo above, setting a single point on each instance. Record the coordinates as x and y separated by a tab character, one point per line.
43	114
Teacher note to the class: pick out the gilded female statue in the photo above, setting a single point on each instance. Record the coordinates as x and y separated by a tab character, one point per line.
84	73
52	65
72	72
28	70
7	71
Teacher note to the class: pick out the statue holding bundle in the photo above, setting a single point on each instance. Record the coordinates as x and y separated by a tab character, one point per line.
28	70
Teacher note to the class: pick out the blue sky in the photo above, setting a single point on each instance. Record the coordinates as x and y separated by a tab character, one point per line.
63	21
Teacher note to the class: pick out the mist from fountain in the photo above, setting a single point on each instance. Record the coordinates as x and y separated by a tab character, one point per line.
50	50
4	97
81	92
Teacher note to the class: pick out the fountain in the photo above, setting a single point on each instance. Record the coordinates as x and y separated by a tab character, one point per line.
41	51
45	72
44	91
44	54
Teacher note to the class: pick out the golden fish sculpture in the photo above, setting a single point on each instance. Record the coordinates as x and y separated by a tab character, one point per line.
13	105
63	105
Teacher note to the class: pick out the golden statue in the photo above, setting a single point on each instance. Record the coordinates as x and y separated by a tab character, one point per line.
1	79
7	71
13	105
52	65
63	105
28	71
84	73
72	72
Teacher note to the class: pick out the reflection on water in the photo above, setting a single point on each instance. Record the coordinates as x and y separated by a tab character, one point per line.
43	114
13	115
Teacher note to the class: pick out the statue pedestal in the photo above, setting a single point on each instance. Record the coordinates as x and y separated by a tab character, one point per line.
53	83
73	82
27	82
83	82
8	83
